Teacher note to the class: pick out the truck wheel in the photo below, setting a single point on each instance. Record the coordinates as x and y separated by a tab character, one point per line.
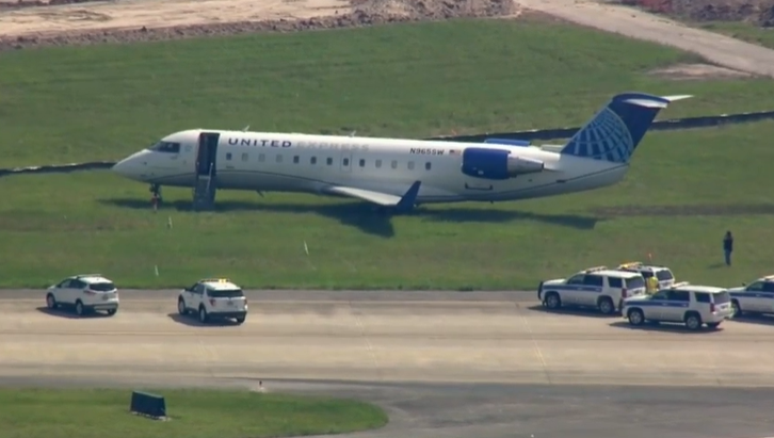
51	302
636	317
693	321
606	306
553	301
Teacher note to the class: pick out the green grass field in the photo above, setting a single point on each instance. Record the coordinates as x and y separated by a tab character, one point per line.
75	104
47	413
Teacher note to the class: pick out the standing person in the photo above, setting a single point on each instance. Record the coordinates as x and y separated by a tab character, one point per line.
651	284
728	247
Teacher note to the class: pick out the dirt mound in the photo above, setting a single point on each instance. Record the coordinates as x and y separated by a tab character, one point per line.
760	12
364	13
20	4
766	16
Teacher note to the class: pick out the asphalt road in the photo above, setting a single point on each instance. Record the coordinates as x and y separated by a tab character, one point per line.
718	49
444	364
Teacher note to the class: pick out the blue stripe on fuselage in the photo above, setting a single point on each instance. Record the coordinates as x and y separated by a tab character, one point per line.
573	288
751	294
657	303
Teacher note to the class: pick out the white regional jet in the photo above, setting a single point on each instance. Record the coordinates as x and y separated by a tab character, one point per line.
398	174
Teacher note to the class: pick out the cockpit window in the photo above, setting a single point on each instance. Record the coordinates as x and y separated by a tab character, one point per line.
167	147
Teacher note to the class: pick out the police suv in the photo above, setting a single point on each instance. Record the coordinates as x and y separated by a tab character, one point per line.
84	293
692	305
213	298
757	297
597	287
662	273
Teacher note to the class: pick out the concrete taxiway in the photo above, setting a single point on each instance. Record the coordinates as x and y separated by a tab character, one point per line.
442	363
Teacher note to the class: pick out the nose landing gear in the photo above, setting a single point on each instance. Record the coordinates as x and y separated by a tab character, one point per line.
155	190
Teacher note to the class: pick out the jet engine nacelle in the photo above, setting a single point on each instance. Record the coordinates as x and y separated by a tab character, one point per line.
497	164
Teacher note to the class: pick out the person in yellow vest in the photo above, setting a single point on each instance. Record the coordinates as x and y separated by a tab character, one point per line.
651	284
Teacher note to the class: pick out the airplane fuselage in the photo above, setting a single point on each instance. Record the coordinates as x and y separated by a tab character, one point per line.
307	163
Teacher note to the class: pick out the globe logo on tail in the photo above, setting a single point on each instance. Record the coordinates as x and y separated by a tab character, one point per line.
604	138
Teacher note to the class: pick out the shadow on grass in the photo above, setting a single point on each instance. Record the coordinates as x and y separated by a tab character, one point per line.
70	314
588	312
192	321
676	328
683	210
363	217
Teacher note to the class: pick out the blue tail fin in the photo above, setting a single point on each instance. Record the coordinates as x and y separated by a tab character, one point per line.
614	133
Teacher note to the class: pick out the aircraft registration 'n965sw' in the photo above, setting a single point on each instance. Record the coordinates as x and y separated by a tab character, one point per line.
398	173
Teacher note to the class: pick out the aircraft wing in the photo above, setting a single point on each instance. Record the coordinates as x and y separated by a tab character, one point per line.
380	198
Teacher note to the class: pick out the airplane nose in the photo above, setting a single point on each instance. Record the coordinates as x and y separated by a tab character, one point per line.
126	168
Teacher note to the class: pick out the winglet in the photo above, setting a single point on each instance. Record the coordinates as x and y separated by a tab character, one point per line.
408	200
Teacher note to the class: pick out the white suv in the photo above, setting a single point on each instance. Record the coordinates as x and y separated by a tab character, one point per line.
690	304
213	298
663	274
597	287
757	297
84	293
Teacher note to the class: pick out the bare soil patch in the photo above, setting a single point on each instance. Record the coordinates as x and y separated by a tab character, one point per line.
698	72
145	20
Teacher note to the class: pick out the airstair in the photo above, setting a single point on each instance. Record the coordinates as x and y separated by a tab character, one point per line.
204	191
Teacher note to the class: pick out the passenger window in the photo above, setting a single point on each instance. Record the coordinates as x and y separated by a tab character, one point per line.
362	163
346	162
679	295
329	160
593	280
314	160
659	295
295	159
702	297
664	275
615	282
427	166
279	158
768	287
577	279
755	287
228	156
394	164
411	165
261	157
378	163
244	156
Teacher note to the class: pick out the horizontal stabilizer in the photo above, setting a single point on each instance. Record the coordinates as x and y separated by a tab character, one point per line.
508	141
